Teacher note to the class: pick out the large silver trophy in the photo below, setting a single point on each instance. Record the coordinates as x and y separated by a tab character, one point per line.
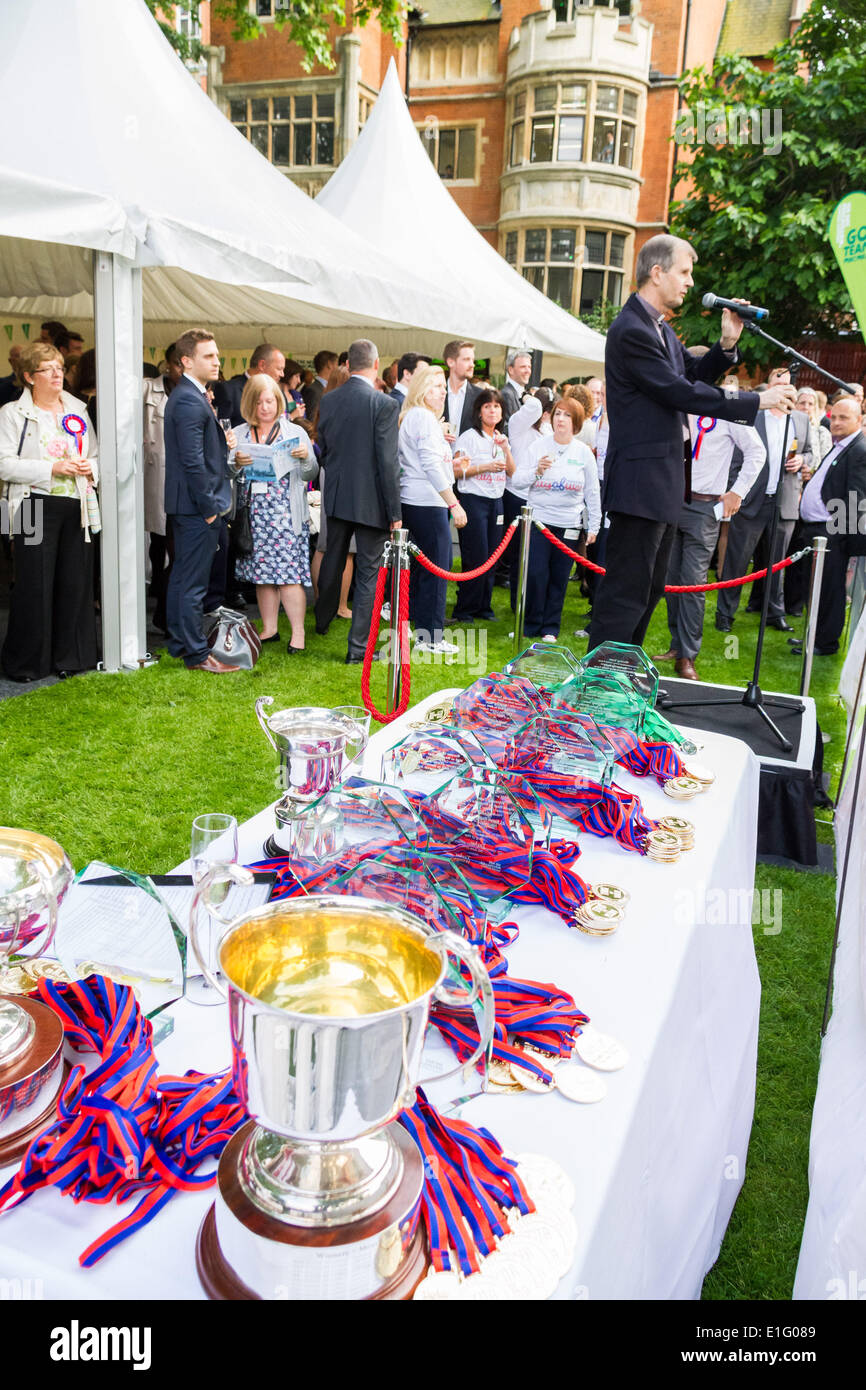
34	876
313	745
318	1195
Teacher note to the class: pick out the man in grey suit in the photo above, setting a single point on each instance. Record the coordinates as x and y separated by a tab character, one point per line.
358	443
518	370
752	522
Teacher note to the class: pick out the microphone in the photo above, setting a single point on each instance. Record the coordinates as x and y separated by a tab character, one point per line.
751	312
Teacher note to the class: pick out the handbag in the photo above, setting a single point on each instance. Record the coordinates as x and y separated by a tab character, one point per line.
232	638
242	529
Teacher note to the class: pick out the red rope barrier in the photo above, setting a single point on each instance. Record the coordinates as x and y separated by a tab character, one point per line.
405	668
470	574
678	588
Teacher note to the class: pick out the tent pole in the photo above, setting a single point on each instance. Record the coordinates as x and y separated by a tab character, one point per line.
118	336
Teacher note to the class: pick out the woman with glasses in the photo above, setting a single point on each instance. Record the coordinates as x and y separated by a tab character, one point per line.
48	476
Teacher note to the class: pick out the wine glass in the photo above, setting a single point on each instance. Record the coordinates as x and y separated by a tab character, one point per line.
225	424
214	841
359	718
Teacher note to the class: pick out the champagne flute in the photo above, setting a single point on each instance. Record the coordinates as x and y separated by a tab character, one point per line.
214	841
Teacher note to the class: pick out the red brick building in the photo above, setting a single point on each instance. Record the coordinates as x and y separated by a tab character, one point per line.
550	121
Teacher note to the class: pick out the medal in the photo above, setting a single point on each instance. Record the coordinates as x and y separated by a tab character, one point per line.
528	1080
610	893
682	828
438	1286
599	1050
663	846
578	1084
682	788
598	918
702	774
543	1177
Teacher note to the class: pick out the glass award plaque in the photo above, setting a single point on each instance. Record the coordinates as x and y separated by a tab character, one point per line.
607	697
482	823
427	758
355	814
493	707
559	742
548	666
117	923
631	663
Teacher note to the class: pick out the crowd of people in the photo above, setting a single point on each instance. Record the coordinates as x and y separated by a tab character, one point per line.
285	480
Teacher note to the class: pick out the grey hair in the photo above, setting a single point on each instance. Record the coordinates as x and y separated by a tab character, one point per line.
362	355
513	355
659	250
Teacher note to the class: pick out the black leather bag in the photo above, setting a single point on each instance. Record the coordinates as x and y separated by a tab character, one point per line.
242	530
232	638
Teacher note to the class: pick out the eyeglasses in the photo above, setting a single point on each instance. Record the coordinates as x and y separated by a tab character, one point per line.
55	370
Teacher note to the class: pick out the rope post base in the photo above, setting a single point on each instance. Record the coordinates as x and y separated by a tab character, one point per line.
819	551
522	577
399	576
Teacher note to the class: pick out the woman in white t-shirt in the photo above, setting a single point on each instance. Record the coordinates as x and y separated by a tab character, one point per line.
481	476
427	503
524	427
562	485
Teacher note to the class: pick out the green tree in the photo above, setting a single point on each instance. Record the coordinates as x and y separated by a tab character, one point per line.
307	23
771	153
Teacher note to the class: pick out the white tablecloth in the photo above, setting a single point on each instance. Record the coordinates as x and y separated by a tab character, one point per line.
657	1164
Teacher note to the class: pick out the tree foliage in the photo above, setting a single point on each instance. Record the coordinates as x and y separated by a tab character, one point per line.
757	209
307	23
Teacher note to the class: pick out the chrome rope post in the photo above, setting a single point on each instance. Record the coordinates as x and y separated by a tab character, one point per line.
819	551
398	553
522	576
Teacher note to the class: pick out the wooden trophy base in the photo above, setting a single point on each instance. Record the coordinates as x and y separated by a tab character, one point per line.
31	1072
303	1247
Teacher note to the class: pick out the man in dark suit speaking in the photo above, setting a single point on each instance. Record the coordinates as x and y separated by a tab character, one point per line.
358	443
197	493
653	383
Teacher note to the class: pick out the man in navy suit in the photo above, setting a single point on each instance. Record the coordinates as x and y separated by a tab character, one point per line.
653	384
406	369
197	494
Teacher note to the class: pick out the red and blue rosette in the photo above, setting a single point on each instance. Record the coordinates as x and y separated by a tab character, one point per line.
76	426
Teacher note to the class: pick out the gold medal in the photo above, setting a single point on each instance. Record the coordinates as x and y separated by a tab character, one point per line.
700	773
609	893
598	918
528	1079
682	828
682	788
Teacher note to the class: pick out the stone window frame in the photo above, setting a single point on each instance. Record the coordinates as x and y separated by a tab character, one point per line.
522	115
272	123
433	124
612	265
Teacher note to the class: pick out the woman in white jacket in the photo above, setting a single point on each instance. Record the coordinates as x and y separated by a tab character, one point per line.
560	476
48	471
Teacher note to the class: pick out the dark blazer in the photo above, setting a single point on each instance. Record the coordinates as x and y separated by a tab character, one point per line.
311	396
398	396
789	483
650	388
465	421
197	479
358	443
227	398
844	477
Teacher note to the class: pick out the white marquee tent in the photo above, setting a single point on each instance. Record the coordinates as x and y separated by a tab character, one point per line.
387	186
153	208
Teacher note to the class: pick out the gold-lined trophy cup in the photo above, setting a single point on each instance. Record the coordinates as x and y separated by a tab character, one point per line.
318	1195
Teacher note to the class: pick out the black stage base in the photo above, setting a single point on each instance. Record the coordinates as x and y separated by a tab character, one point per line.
786	821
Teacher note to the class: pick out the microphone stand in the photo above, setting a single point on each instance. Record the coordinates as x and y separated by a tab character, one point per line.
753	697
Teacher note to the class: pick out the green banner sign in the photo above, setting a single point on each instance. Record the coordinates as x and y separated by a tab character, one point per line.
847	234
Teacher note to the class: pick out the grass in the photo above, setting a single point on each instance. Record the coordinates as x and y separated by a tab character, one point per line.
116	767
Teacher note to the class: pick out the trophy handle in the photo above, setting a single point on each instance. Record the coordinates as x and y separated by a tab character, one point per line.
219	873
51	904
448	943
262	704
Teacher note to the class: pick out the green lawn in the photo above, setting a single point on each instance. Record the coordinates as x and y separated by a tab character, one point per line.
116	767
